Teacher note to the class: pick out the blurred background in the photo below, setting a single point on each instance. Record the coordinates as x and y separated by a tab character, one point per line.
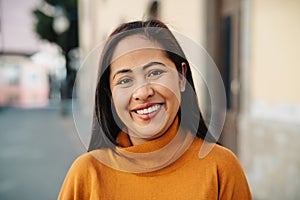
254	43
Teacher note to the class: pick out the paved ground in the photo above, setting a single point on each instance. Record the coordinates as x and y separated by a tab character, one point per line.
36	149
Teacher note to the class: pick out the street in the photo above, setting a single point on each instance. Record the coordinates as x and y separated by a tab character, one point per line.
37	147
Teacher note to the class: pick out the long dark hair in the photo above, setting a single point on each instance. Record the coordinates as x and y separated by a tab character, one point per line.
106	126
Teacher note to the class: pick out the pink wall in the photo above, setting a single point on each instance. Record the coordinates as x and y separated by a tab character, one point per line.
32	89
17	26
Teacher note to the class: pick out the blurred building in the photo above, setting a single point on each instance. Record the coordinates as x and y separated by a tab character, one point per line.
30	69
22	83
17	27
256	46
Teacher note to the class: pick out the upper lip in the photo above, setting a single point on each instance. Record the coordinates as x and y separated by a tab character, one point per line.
143	106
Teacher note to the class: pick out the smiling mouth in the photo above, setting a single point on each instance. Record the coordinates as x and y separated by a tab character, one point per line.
148	110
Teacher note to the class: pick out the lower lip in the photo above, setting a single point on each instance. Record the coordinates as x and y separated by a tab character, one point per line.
149	115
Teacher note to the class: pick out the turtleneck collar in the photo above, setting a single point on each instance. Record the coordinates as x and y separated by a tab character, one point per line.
124	142
147	157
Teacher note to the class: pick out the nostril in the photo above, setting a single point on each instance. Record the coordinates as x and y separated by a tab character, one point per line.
143	93
150	95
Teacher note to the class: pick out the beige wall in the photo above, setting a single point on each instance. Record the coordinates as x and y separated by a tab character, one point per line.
99	18
269	126
275	51
187	18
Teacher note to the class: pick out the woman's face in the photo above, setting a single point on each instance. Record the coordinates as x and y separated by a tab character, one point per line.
145	87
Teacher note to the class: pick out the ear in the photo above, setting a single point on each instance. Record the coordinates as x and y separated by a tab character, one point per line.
182	79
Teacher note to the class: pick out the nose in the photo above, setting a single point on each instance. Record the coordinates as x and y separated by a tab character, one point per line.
143	93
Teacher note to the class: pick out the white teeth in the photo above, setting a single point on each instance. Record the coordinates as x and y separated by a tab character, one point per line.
148	110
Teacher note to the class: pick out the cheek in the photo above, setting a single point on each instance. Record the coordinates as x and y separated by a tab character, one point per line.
170	89
121	98
171	95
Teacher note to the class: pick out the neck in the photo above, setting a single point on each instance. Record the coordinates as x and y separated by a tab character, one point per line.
137	141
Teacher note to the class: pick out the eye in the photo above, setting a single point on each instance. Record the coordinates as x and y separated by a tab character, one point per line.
155	73
124	81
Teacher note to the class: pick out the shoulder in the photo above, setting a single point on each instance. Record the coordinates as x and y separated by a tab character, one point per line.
80	178
223	158
85	164
80	170
85	169
231	176
84	161
213	153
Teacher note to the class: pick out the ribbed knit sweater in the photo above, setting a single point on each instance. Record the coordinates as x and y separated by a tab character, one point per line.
216	176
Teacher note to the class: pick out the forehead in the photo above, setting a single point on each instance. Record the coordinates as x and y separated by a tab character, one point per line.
137	50
134	43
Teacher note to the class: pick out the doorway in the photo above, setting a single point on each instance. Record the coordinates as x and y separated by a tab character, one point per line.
223	44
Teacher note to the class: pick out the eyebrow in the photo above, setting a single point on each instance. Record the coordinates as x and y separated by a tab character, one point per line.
153	63
144	68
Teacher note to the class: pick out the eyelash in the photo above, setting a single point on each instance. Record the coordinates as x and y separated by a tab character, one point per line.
151	74
124	81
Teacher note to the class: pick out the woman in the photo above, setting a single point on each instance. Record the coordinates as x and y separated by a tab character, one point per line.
148	128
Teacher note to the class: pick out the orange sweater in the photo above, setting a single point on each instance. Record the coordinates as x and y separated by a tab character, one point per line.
216	176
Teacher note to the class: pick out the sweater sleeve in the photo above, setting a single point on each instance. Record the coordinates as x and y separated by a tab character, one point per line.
232	181
79	180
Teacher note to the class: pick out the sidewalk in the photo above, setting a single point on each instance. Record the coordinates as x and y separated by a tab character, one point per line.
37	148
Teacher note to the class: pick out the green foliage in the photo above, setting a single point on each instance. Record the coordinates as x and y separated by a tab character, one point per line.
69	5
44	26
67	40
